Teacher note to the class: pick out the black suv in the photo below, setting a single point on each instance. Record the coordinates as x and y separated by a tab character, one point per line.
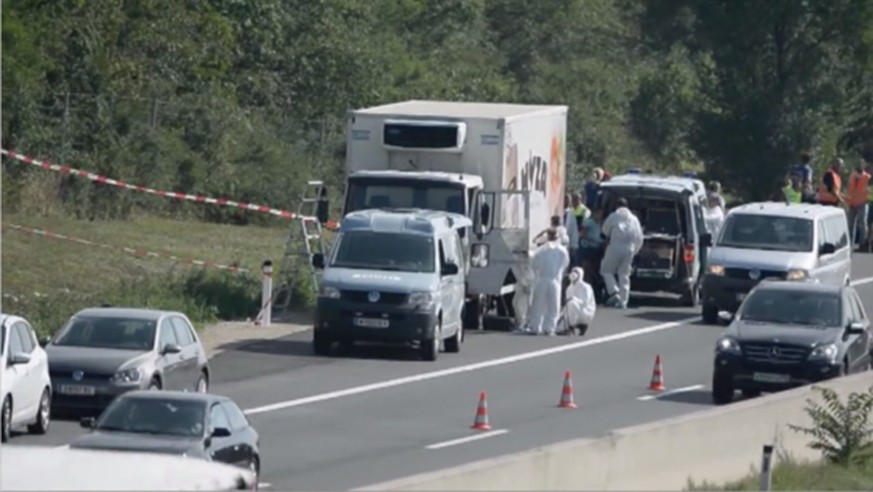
787	334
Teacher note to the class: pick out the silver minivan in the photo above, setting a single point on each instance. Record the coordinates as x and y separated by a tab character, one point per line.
776	241
394	276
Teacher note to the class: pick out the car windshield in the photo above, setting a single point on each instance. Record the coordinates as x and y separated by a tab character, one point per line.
105	332
156	416
767	232
791	307
367	193
385	251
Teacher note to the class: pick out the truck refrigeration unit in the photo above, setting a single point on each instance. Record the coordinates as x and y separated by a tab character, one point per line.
502	165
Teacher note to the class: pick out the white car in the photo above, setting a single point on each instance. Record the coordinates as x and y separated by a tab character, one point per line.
25	386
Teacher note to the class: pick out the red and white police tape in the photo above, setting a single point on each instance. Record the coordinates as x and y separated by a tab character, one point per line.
124	249
97	178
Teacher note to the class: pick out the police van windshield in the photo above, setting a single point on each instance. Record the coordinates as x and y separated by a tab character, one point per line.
366	193
388	251
767	232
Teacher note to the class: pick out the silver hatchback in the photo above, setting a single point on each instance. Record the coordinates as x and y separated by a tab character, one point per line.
101	353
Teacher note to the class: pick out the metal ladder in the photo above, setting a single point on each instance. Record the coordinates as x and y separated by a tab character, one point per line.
304	240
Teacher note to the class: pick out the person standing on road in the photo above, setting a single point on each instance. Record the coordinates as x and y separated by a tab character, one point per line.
580	306
591	245
859	195
549	264
625	235
597	176
571	223
714	189
803	170
556	226
713	214
829	190
792	191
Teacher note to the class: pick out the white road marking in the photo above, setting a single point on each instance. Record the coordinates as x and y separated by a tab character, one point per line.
467	368
264	485
475	437
671	392
391	383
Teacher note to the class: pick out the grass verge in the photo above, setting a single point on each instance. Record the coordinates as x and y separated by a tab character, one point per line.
792	475
46	280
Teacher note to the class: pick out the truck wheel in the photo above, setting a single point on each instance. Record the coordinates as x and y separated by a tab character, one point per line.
710	314
321	345
722	390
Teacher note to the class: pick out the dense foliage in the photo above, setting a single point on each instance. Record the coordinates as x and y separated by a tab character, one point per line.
247	98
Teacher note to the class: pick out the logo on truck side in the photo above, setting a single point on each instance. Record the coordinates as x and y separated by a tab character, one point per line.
535	174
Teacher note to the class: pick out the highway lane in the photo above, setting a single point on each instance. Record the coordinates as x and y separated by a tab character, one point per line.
338	441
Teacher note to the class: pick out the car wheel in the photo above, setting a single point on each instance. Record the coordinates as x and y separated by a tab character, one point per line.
6	420
43	414
709	314
202	383
453	343
321	345
155	385
430	349
722	391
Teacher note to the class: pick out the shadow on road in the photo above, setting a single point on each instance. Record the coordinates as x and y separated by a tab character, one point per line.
658	316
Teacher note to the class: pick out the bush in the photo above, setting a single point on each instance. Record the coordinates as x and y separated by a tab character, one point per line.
843	432
203	296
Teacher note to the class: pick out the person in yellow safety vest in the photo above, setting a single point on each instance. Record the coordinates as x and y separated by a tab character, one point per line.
792	190
581	212
829	190
859	195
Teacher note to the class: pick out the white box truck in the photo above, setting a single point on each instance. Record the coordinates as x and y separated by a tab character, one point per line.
502	165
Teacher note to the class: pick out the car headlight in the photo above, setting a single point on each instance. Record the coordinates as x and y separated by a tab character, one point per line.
127	376
329	292
797	274
825	352
728	345
717	270
421	299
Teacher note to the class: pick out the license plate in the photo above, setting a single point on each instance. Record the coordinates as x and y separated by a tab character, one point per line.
371	323
77	390
766	377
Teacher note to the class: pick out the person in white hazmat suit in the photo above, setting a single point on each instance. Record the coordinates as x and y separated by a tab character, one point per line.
580	306
548	264
625	234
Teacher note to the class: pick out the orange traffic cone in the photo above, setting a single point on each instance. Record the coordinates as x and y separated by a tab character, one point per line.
567	393
657	383
481	422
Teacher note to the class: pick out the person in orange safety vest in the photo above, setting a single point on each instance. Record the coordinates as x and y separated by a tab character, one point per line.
829	190
858	196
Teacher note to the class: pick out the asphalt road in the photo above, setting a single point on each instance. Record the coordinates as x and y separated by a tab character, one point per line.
378	414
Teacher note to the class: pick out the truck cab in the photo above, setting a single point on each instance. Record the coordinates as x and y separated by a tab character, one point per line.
676	242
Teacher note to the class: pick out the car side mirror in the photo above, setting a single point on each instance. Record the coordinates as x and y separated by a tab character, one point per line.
87	422
725	316
449	269
220	432
318	261
44	341
171	348
855	328
19	358
827	249
706	240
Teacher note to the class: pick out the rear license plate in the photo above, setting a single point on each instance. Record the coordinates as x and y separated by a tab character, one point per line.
77	390
766	377
371	323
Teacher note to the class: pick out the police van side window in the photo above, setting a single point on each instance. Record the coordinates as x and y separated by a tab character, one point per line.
822	235
838	231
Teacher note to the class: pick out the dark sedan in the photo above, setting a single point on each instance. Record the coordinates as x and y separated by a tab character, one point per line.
789	334
196	425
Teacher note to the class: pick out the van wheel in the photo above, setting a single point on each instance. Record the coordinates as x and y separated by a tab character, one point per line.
692	297
43	414
710	314
430	349
6	420
453	343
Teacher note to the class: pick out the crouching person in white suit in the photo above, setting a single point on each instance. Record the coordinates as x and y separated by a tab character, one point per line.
580	306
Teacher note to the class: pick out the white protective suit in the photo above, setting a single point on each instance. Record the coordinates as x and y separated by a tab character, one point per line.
548	264
625	240
563	237
713	217
581	305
